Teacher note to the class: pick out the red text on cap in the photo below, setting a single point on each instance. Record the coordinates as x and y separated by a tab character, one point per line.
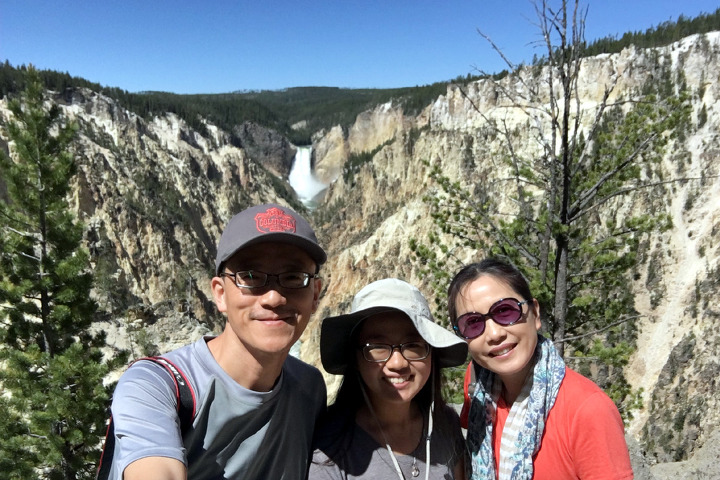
274	220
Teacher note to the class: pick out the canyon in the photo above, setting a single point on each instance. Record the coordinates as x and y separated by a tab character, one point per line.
155	195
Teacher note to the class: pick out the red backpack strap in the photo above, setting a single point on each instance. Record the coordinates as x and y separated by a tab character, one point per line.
186	400
468	390
103	470
186	405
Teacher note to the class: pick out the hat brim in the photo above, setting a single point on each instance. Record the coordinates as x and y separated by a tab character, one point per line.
337	348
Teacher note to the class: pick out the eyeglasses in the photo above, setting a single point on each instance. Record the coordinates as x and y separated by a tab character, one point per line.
255	279
381	352
505	312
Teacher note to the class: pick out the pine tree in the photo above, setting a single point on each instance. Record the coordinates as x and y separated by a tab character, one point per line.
51	367
554	178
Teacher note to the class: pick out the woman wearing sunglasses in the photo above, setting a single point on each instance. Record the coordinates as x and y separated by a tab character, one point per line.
530	417
389	417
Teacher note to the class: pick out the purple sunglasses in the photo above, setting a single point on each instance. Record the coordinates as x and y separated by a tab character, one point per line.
505	312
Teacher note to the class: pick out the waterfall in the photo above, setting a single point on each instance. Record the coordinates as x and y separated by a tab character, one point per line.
302	179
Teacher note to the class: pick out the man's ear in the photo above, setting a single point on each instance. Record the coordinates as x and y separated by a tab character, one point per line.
317	288
217	285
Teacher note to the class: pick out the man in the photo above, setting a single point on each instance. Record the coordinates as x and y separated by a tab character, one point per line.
255	406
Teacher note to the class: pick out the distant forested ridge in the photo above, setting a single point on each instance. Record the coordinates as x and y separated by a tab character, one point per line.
299	112
661	35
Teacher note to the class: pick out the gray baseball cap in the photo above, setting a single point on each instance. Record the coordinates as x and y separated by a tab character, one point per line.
269	222
390	294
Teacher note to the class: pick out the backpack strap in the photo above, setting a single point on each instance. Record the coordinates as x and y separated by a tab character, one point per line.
184	393
468	391
108	451
186	406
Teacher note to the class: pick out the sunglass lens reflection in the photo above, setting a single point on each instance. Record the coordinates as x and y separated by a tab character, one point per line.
505	313
472	325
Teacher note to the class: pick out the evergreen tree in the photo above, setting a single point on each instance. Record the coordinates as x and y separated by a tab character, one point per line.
554	177
51	367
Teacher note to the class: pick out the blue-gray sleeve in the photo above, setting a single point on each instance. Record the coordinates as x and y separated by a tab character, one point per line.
144	411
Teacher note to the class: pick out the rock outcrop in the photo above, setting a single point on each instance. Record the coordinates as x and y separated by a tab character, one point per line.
265	146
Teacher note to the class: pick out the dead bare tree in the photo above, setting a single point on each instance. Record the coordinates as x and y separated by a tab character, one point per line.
569	164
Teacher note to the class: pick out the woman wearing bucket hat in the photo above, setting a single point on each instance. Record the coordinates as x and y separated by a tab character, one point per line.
389	417
530	417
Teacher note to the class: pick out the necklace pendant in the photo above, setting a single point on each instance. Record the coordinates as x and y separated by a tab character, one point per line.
415	471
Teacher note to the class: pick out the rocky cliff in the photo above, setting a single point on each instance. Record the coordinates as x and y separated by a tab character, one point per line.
155	195
371	210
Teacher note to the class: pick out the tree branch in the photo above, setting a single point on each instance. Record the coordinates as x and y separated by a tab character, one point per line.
22	234
31	257
627	190
599	330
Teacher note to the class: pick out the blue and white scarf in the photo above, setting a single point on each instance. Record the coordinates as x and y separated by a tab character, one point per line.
525	422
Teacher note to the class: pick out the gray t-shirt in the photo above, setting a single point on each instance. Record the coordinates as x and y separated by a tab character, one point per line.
368	460
236	433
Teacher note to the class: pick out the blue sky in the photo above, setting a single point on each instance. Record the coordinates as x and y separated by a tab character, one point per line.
215	46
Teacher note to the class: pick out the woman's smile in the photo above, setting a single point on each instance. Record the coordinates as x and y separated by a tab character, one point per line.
502	351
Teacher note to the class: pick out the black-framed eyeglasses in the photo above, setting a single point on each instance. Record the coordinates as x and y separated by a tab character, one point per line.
381	352
505	312
256	279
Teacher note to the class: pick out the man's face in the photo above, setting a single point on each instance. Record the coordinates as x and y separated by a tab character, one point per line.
269	319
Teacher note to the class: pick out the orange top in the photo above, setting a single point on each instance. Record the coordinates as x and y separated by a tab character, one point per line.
584	437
